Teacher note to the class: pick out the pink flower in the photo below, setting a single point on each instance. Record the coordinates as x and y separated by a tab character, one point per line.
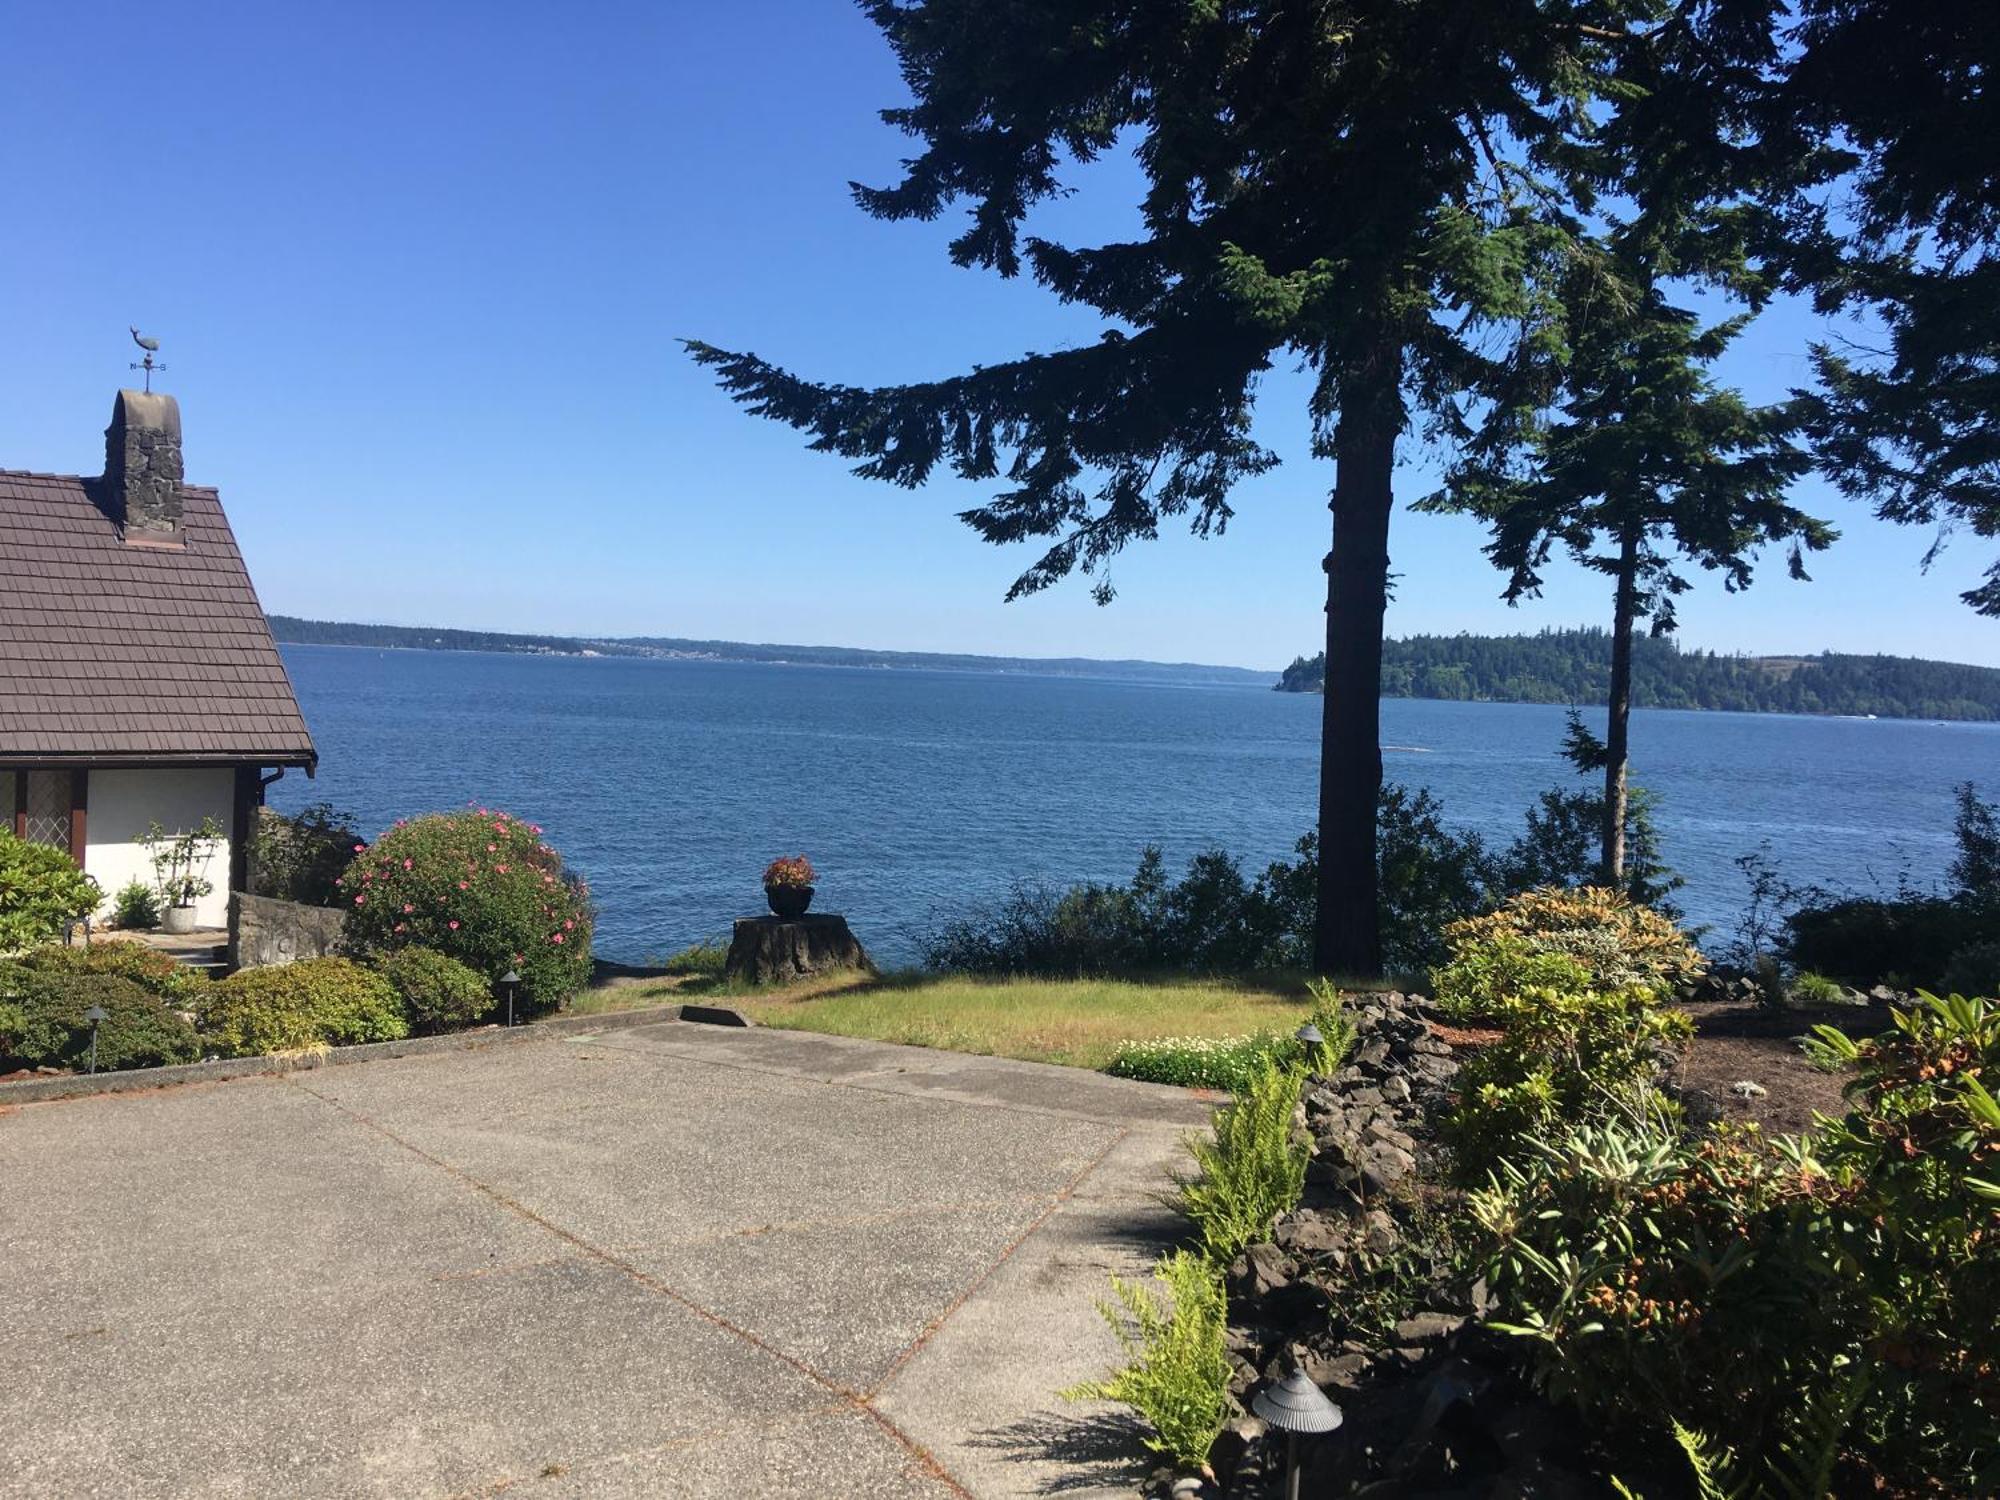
568	923
407	907
406	864
400	926
492	848
360	848
454	924
465	885
360	900
500	869
557	938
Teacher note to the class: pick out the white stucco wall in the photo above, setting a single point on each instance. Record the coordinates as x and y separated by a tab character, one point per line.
124	804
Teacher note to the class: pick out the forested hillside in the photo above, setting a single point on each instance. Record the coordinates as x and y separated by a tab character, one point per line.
1573	666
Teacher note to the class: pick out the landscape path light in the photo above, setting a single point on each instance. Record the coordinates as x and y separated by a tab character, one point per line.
510	984
1298	1408
1311	1039
96	1015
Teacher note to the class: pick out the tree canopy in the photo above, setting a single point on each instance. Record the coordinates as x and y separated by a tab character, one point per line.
1912	423
1379	191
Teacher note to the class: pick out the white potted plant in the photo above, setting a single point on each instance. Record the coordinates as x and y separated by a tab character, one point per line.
180	870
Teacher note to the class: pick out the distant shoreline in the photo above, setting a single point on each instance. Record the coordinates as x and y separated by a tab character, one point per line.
293	631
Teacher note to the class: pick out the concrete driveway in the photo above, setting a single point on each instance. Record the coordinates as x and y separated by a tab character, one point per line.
667	1260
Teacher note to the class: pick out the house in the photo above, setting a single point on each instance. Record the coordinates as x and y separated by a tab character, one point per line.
139	683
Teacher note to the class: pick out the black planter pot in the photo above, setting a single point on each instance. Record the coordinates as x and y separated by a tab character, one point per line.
789	901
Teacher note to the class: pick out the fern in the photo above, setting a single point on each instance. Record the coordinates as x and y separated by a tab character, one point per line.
1178	1374
1250	1169
1801	1469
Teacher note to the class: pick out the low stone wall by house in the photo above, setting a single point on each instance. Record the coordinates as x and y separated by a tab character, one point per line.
264	930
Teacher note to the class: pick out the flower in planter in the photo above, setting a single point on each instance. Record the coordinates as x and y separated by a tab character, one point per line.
793	873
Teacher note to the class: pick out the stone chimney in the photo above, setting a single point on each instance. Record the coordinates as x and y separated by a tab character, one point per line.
142	465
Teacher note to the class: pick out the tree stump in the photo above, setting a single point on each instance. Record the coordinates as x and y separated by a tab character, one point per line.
768	950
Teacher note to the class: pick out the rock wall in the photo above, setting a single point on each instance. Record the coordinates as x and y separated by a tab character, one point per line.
264	930
1434	1403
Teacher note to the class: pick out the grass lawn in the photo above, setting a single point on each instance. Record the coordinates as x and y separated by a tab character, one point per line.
1080	1022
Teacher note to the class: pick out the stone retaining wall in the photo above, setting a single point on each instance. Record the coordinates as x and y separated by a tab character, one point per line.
264	930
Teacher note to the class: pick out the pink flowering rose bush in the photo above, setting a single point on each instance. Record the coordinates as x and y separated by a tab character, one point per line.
479	886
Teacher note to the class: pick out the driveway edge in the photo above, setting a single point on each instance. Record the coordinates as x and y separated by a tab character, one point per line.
81	1085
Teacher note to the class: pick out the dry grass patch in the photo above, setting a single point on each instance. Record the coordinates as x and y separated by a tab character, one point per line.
1080	1022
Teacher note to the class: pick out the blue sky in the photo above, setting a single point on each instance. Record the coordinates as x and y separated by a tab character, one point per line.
420	269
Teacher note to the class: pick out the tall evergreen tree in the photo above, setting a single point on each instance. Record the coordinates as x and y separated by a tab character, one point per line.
1912	425
1371	188
1642	463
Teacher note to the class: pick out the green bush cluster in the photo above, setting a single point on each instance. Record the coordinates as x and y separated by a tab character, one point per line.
437	993
1828	1303
291	1007
1577	982
42	892
43	1021
1555	937
300	856
1915	939
155	972
481	887
135	908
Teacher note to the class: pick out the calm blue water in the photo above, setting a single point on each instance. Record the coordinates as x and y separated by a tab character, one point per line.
671	784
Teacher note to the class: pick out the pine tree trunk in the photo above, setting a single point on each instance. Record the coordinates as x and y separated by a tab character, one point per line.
1617	736
1347	938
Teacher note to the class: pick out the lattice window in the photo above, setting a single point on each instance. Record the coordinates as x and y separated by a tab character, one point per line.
48	808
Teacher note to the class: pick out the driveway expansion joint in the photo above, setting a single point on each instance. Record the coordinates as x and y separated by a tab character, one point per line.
854	1400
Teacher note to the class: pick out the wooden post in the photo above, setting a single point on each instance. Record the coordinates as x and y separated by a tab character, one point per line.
242	825
79	808
20	804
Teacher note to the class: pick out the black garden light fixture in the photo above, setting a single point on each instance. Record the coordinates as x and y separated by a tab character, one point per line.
97	1015
1309	1034
510	986
1298	1408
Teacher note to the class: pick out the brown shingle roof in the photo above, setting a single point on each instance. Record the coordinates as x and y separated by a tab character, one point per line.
113	650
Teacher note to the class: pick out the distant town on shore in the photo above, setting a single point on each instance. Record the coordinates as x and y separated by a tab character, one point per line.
1551	666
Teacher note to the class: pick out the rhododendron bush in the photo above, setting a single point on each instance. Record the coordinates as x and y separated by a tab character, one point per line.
479	886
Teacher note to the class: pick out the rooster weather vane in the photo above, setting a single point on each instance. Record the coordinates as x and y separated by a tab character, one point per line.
152	347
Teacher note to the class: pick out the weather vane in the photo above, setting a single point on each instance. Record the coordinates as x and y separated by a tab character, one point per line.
152	347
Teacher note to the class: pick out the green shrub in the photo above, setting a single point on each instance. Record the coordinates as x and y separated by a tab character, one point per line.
1618	946
300	856
438	993
704	959
1974	970
1485	975
1565	1058
1869	941
1178	1375
135	908
1916	1164
1654	1280
478	886
43	1024
1250	1167
1817	989
1831	1299
155	972
314	1002
42	892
